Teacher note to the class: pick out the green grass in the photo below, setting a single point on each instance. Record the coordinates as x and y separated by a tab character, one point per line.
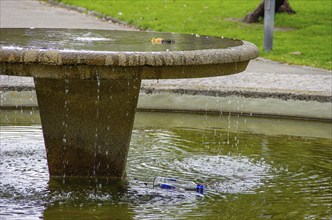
308	31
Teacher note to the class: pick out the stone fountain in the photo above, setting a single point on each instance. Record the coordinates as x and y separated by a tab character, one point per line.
88	81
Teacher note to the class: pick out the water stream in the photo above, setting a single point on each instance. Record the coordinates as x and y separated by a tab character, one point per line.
253	169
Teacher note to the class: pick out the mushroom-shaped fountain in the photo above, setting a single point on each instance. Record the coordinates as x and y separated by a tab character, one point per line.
88	81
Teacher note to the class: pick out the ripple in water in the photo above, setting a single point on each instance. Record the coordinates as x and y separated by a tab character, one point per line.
24	173
234	183
226	174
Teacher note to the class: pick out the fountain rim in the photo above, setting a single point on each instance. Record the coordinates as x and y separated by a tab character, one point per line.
51	56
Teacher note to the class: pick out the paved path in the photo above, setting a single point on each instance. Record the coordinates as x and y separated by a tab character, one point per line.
262	79
33	13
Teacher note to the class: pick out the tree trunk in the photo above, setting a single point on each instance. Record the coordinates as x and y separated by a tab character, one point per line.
285	7
280	6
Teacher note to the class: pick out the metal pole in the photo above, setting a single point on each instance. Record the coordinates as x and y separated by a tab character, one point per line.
269	6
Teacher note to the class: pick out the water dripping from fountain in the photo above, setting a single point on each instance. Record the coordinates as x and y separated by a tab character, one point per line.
228	127
108	129
32	113
2	99
97	147
65	122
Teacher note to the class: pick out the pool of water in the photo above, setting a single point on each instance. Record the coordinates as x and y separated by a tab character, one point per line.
252	168
109	40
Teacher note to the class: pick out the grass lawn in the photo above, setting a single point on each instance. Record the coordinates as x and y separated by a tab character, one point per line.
307	33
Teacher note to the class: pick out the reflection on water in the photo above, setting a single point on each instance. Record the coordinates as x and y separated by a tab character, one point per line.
248	174
109	40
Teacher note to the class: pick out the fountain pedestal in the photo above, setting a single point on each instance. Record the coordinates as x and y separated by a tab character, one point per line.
87	124
88	81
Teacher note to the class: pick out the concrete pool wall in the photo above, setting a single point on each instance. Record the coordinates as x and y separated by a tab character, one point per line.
266	88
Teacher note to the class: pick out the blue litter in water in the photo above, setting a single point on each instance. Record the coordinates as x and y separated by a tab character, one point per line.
166	186
200	188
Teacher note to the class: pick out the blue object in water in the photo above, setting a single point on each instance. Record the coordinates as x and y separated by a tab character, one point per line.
171	183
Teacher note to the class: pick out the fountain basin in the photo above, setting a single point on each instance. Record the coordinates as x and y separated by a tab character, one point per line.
88	81
46	53
242	160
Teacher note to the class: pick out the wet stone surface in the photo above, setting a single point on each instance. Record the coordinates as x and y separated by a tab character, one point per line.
119	48
109	40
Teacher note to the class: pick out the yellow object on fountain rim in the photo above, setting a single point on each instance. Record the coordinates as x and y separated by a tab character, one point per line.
162	41
156	40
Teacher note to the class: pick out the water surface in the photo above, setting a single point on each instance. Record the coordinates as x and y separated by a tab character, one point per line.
108	40
252	168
